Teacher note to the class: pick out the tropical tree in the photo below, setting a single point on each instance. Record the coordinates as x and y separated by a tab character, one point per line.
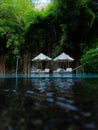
89	61
12	29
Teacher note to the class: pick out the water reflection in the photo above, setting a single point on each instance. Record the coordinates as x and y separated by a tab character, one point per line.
51	84
48	104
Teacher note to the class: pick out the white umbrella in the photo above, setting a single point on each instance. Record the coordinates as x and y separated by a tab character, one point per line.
41	57
63	57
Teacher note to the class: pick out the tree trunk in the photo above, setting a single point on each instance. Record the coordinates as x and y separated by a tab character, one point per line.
2	64
26	64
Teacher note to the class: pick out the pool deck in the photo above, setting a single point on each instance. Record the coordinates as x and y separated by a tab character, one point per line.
49	76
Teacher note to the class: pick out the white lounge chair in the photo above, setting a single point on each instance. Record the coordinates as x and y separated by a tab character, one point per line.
46	71
35	71
59	70
68	70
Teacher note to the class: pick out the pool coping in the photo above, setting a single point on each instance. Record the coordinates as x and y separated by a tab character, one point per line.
49	76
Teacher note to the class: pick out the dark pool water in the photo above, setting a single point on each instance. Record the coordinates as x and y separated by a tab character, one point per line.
49	104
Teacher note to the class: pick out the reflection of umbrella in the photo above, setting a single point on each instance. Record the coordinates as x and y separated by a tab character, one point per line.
63	58
41	57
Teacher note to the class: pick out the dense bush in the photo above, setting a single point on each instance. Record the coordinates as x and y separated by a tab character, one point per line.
89	61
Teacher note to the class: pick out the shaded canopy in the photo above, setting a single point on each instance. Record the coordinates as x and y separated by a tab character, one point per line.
41	57
63	57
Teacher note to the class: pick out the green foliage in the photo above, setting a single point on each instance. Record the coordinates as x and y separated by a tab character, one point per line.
83	47
65	25
63	36
69	24
88	16
90	61
13	42
12	13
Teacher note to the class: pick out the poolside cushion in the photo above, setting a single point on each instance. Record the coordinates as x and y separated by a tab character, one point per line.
59	70
68	69
47	70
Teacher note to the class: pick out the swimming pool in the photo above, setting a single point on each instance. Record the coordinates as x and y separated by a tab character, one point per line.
49	103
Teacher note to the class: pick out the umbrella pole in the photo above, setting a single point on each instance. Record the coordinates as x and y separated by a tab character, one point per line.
41	65
63	65
37	64
68	64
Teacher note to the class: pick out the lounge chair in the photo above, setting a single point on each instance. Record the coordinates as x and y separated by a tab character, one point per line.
68	70
59	70
35	71
46	71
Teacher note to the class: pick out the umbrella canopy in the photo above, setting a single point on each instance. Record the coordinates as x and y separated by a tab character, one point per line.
63	57
41	57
